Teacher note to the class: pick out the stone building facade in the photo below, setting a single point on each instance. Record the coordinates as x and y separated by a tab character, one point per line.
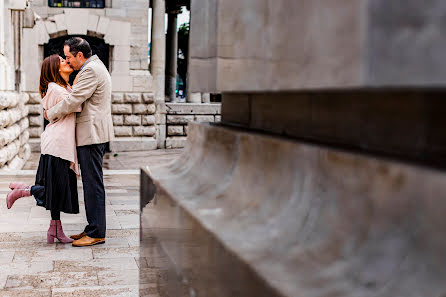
118	33
121	28
14	135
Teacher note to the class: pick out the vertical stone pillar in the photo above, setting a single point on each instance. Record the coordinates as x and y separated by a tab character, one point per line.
16	16
172	56
158	50
158	66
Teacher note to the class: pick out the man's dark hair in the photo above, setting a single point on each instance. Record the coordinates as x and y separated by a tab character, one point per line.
77	44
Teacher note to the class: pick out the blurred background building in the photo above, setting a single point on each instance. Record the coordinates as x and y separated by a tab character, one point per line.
151	105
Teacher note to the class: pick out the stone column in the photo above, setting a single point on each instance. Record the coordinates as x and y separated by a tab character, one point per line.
16	17
158	49
172	56
158	66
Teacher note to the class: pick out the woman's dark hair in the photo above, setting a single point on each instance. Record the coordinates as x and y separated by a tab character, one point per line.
50	73
77	44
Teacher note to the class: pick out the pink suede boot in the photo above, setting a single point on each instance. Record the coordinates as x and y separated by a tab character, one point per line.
56	231
13	186
16	194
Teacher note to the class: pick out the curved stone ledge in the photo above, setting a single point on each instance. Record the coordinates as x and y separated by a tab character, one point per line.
243	214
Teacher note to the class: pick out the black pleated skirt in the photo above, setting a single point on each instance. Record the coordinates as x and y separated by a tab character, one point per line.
56	185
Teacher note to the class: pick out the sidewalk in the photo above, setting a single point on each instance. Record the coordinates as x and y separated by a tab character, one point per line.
31	267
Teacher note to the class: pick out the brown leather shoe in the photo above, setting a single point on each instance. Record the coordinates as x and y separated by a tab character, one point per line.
87	241
78	236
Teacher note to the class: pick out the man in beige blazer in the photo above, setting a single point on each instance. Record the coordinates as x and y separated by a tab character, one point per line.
94	128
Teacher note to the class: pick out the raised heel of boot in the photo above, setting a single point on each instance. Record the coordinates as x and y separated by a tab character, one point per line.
50	238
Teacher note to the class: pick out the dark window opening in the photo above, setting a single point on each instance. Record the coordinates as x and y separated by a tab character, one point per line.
77	3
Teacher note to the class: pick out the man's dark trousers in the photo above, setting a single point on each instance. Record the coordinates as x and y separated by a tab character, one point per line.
90	159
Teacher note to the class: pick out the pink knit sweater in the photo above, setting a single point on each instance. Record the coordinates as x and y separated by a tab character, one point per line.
59	138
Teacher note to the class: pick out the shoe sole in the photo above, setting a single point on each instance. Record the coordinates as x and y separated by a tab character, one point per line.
99	242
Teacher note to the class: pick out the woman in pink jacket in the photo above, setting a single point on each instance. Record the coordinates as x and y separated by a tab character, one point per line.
56	178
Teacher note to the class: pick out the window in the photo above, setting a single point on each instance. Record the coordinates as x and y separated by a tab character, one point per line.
77	3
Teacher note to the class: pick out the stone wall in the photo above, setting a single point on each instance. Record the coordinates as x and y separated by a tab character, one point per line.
179	115
14	136
133	114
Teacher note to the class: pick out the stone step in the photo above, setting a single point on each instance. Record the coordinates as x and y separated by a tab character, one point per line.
244	214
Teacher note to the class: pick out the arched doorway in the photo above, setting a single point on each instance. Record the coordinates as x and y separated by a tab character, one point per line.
98	46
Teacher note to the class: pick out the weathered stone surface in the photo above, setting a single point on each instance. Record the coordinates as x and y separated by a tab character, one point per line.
122	108
217	118
148	120
132	120
50	27
237	48
10	133
142	80
139	108
61	24
194	97
151	108
192	108
176	142
175	130
132	97
9	151
35	132
122	131
93	21
20	159
8	99
205	98
35	109
203	118
10	116
228	218
122	53
179	119
117	97
129	144
35	121
102	25
42	34
144	131
121	67
160	118
148	97
118	33
121	83
34	98
118	120
76	21
161	132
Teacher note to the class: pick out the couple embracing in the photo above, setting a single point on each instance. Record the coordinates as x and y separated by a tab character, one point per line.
79	129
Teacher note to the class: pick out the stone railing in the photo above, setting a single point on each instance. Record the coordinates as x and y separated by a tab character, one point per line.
14	136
